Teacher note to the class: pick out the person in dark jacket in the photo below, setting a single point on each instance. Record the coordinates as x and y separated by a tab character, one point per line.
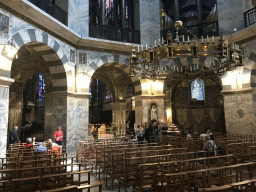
14	135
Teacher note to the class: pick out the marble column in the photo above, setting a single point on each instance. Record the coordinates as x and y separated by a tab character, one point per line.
240	111
78	17
119	116
230	15
4	108
77	119
150	21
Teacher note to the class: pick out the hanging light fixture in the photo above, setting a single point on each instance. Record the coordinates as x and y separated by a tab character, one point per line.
229	56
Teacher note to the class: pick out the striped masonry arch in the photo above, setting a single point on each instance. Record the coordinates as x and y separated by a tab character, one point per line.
49	49
120	62
250	68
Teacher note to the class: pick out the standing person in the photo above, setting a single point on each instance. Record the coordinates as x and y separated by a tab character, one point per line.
58	135
14	135
139	134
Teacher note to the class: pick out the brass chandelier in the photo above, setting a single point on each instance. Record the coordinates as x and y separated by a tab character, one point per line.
145	63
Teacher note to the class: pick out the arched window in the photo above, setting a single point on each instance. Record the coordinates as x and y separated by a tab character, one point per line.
197	90
108	93
129	88
41	88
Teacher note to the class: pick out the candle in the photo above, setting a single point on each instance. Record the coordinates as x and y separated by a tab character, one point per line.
155	43
141	47
138	48
197	66
207	39
188	38
159	41
181	70
202	39
190	68
146	46
183	38
162	41
213	39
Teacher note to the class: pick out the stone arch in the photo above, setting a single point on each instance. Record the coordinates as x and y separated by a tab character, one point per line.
49	49
118	61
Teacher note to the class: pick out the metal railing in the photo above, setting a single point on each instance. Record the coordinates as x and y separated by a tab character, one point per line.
114	33
52	9
250	17
204	29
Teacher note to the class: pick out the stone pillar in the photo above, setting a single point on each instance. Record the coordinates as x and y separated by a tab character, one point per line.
119	116
169	113
71	112
77	119
16	106
230	15
176	10
78	17
55	115
4	108
150	21
240	111
102	12
199	18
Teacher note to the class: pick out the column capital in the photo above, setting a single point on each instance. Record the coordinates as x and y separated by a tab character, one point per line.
240	91
6	82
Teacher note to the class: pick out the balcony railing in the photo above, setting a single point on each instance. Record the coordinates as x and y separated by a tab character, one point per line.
250	17
52	9
114	33
210	29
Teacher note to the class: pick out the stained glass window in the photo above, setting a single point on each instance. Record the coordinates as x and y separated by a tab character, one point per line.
41	88
129	88
108	93
197	90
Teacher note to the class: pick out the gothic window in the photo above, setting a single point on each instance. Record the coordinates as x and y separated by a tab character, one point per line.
108	93
197	90
41	88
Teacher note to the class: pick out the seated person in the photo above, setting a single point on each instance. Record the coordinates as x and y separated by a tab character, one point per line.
40	148
56	149
28	144
49	144
210	146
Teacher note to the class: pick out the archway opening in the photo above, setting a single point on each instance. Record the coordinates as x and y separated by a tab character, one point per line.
112	100
36	73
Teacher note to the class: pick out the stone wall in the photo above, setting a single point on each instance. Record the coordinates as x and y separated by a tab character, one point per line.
230	15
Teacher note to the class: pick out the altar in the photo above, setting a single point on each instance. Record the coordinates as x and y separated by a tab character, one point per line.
102	132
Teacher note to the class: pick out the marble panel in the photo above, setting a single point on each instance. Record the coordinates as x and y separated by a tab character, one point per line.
4	105
230	15
77	120
240	114
150	21
78	17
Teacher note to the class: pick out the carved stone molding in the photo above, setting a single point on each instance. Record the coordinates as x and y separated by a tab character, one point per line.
6	82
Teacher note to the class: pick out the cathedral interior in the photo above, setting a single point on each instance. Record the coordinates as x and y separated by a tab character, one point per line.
101	68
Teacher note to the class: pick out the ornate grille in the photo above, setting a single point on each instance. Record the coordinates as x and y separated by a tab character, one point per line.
250	17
